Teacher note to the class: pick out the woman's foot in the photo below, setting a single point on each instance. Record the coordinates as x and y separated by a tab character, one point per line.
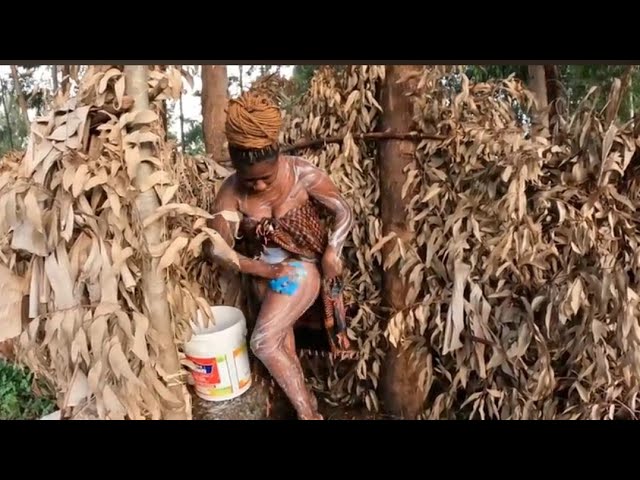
315	416
312	412
314	400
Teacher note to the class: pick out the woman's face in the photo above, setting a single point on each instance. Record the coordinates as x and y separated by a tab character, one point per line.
260	176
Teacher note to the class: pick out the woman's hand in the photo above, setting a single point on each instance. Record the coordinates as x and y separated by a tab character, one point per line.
258	268
279	270
331	264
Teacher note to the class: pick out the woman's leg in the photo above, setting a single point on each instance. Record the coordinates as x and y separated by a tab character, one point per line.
290	342
272	340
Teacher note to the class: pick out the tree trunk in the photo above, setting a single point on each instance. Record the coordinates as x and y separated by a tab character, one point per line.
155	294
632	112
555	99
54	77
400	393
163	112
537	84
181	124
66	79
554	90
3	93
22	101
215	84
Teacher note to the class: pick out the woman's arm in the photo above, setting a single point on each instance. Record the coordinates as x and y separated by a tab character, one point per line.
319	186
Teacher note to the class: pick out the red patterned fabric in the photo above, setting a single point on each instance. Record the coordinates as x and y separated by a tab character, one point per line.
302	233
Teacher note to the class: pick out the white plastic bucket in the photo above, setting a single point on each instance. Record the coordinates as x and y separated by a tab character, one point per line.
217	355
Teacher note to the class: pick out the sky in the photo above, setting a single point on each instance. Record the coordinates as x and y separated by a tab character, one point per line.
190	102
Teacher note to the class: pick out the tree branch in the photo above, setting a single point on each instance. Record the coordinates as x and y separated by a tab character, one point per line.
387	135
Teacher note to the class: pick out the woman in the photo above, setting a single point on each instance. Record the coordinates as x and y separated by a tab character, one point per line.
289	254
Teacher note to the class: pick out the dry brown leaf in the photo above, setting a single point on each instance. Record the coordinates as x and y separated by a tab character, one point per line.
13	288
139	341
119	363
172	252
182	209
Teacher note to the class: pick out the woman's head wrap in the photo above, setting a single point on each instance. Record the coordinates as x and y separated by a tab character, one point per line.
253	121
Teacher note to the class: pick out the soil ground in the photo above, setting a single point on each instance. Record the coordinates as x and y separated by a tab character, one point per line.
282	410
265	401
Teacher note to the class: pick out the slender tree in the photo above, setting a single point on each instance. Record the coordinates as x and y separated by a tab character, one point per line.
215	85
22	101
153	281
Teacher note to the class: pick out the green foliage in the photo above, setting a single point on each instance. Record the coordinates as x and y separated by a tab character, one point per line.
578	79
234	80
33	92
302	75
250	73
193	138
483	73
13	130
301	81
17	398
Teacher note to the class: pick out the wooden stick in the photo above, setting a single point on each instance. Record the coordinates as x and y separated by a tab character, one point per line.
387	135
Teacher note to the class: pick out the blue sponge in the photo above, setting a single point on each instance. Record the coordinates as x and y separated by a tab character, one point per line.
286	285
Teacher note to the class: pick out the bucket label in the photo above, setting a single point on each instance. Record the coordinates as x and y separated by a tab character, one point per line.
242	365
225	375
205	371
222	377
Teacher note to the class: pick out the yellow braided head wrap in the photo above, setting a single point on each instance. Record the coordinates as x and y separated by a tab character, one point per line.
253	121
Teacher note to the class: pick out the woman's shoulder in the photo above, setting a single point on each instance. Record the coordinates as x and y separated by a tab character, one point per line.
227	194
297	159
301	165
